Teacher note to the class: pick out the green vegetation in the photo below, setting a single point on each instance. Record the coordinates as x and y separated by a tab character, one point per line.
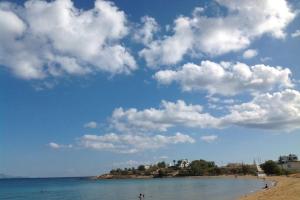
241	169
141	168
271	167
183	168
201	167
161	165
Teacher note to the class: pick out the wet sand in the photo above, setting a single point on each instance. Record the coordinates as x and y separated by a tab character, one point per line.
286	188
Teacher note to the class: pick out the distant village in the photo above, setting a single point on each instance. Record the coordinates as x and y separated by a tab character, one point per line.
285	165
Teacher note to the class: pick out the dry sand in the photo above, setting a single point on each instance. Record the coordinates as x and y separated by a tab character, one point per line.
286	188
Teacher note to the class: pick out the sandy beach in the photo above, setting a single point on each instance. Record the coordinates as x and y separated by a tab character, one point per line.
286	188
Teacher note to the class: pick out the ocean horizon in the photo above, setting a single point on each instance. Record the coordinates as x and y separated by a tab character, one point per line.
124	189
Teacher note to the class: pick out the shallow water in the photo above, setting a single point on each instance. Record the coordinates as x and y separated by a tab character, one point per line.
164	189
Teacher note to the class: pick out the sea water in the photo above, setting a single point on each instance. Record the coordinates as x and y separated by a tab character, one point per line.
155	189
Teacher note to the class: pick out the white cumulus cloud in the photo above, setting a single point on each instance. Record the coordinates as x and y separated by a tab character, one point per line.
216	35
279	111
54	38
209	138
250	53
296	34
91	124
145	33
169	114
271	111
54	145
226	78
131	143
274	111
171	49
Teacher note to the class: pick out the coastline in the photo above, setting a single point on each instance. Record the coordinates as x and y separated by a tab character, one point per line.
108	176
284	188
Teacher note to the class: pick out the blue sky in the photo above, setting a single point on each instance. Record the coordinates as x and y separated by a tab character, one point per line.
88	87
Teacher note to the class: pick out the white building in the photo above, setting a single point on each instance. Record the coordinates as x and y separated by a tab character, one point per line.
289	162
291	166
289	158
147	167
183	163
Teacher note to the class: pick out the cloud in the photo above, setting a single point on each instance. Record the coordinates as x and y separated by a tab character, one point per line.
131	143
209	138
243	22
145	33
265	59
250	53
172	49
168	115
51	39
276	111
54	145
296	34
226	78
163	157
228	101
130	163
91	124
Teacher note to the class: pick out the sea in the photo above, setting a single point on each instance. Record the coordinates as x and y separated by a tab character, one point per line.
129	189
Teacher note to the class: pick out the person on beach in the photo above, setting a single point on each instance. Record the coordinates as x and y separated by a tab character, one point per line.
141	196
266	186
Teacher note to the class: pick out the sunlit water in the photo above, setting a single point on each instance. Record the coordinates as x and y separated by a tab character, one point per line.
164	189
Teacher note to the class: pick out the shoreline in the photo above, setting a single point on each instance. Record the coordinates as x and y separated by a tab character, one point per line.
120	177
283	188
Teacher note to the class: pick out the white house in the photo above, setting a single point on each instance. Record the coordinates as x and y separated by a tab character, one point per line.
183	163
289	162
291	166
147	167
289	158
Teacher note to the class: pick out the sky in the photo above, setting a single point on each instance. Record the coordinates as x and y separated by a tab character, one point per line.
87	86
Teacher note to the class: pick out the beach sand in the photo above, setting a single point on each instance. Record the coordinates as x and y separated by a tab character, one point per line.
286	188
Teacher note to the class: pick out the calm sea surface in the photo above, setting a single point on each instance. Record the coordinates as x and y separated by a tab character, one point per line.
164	189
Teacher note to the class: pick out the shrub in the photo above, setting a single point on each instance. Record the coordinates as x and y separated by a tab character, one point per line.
271	168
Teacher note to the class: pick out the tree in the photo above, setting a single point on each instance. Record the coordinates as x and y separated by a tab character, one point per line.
271	167
184	163
248	169
202	167
179	162
141	168
161	164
